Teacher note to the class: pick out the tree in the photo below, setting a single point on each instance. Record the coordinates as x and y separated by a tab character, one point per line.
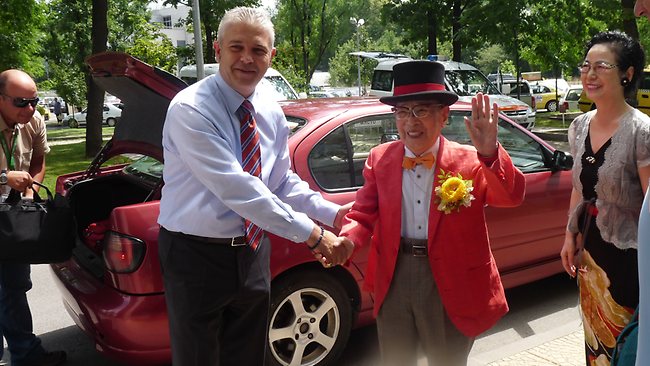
307	29
20	33
211	12
80	28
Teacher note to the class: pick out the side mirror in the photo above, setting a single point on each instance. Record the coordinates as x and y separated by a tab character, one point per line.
561	161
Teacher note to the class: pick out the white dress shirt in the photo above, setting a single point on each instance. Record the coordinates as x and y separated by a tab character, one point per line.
206	191
417	187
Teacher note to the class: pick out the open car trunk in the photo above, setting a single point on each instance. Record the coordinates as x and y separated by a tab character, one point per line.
92	202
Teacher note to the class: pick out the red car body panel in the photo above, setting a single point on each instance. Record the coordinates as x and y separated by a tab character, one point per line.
125	313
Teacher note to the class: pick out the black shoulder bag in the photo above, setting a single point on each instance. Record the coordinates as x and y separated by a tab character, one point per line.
36	230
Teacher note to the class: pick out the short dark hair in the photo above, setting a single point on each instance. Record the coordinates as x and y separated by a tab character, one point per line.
628	53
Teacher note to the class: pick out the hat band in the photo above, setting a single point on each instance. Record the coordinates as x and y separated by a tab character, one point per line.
417	88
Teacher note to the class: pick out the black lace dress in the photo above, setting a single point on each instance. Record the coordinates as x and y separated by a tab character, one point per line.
608	276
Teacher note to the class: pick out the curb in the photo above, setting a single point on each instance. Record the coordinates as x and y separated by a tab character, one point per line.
560	135
564	342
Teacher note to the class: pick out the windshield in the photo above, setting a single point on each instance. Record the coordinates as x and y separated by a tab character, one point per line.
469	82
282	87
146	168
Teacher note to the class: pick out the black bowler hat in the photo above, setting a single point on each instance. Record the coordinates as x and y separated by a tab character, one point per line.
419	80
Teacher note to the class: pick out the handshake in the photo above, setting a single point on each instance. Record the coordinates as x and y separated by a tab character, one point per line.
331	250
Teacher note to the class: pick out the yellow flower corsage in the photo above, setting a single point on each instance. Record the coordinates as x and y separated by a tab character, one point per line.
453	192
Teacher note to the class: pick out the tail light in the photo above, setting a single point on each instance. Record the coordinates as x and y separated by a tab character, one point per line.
122	253
533	103
564	107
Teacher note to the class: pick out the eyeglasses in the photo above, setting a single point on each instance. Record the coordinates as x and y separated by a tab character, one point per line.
598	66
418	111
23	102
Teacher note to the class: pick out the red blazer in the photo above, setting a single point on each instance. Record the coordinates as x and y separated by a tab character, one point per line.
459	250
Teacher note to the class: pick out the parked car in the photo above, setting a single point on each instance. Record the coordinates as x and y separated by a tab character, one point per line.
518	90
571	98
545	97
110	116
464	80
642	101
560	84
112	286
280	87
322	94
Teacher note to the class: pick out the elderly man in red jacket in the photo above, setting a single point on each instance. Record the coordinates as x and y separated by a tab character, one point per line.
433	276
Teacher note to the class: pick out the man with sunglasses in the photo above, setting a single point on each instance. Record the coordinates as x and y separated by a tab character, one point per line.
430	268
22	161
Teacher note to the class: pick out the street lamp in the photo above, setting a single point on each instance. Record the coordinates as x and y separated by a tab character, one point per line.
358	23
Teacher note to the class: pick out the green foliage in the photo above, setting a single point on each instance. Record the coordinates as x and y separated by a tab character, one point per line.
310	28
491	58
507	67
343	66
20	36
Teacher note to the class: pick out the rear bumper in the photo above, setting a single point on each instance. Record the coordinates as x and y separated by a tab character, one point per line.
128	328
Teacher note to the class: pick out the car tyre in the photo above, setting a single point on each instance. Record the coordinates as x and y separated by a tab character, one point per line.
111	122
310	322
72	123
551	106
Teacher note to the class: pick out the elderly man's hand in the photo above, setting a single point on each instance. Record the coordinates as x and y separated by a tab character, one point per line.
332	251
482	127
19	180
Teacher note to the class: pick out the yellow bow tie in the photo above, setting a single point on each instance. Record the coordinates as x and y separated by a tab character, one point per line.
427	160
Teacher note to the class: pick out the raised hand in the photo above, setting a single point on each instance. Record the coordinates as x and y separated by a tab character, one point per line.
482	127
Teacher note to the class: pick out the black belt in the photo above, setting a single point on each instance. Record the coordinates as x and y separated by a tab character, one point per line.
233	242
414	247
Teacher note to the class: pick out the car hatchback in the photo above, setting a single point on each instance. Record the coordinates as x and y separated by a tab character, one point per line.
112	286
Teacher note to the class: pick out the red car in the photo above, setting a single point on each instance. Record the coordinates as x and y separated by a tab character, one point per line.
112	287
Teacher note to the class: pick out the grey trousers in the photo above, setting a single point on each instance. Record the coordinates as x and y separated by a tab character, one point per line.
412	316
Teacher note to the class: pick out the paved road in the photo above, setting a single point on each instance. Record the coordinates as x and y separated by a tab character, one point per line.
540	312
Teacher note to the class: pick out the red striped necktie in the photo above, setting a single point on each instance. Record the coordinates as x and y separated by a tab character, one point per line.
251	162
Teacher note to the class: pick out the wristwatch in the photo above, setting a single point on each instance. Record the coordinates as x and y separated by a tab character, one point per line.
3	177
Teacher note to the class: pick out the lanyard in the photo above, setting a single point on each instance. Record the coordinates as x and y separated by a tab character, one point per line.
9	154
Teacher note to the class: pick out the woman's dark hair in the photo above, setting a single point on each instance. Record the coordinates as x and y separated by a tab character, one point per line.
628	53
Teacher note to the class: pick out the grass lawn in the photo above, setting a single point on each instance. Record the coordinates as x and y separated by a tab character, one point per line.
68	158
553	119
66	132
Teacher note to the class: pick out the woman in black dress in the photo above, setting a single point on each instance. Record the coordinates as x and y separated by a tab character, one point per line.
611	146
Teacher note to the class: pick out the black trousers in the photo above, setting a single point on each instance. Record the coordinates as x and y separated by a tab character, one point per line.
217	301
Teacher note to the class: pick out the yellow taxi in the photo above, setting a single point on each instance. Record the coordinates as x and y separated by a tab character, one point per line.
642	96
545	97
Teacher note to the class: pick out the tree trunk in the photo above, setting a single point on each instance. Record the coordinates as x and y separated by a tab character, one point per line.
432	34
455	30
629	22
99	37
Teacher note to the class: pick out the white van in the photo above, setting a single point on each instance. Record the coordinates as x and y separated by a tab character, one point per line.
272	78
464	80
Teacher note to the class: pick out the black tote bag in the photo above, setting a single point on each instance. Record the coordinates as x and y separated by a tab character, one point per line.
36	230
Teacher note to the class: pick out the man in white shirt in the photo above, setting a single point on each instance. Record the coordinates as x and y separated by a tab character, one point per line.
227	177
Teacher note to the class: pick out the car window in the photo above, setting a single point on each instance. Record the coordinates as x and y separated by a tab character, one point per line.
573	94
526	153
337	161
281	87
645	81
469	82
382	80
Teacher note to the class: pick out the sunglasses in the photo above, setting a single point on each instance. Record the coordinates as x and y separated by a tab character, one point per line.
23	102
